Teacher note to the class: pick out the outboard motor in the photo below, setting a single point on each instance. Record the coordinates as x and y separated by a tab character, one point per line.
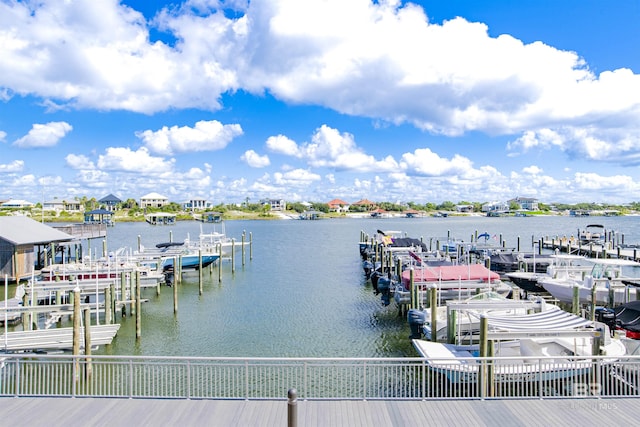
375	276
416	320
384	287
368	268
606	316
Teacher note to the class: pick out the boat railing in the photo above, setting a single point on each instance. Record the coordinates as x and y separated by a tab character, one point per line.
46	375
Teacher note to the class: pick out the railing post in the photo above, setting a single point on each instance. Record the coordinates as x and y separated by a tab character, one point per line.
292	408
188	393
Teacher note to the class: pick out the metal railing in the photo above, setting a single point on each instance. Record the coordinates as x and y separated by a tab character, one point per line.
317	378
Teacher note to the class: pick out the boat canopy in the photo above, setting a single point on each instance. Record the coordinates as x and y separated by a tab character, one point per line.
475	272
552	319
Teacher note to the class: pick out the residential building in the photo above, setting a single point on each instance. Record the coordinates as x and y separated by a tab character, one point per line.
525	203
16	203
197	204
365	204
337	205
110	202
495	207
153	200
276	205
464	208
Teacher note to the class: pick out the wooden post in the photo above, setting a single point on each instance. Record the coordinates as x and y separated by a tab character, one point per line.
107	305
139	243
451	325
199	271
112	305
484	352
219	262
76	333
132	297
88	368
243	235
175	294
250	246
518	245
138	307
434	313
233	255
413	298
575	306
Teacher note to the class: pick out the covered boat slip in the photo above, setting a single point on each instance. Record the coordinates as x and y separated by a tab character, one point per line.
449	274
547	345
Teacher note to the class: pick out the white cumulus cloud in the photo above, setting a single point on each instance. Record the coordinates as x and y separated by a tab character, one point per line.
44	135
204	136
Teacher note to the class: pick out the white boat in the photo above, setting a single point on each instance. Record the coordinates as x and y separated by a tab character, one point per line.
606	281
534	347
562	266
592	233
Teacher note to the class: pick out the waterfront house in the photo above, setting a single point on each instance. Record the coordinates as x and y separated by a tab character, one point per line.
525	203
110	202
196	204
365	204
464	208
23	244
337	205
278	205
495	207
15	203
153	200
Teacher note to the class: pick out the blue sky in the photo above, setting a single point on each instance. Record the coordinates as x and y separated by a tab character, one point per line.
424	101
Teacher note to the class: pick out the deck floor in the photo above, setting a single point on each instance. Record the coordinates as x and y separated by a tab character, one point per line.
44	411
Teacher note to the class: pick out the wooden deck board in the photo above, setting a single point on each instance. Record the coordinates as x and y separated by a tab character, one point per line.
127	412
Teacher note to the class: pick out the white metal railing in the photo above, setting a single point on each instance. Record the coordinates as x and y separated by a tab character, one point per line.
318	378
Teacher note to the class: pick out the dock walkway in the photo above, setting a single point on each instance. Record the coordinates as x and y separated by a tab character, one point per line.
41	411
572	246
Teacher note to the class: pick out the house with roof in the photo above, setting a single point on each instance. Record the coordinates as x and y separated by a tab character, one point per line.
110	202
278	205
16	203
338	205
153	200
464	208
495	207
23	244
196	204
365	204
525	203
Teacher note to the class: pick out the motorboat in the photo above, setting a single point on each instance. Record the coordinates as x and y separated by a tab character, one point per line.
606	282
561	266
549	345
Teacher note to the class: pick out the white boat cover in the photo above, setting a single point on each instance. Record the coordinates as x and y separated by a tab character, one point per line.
552	319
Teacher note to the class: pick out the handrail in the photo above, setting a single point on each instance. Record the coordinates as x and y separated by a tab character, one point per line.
254	378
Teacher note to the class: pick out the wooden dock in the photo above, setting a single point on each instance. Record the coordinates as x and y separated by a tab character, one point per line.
571	245
108	412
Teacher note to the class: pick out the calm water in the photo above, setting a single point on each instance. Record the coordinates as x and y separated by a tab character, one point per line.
303	293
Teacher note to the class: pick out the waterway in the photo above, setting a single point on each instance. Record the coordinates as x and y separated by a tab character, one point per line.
303	293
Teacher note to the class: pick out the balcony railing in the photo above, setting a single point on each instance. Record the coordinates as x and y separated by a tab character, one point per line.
317	378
